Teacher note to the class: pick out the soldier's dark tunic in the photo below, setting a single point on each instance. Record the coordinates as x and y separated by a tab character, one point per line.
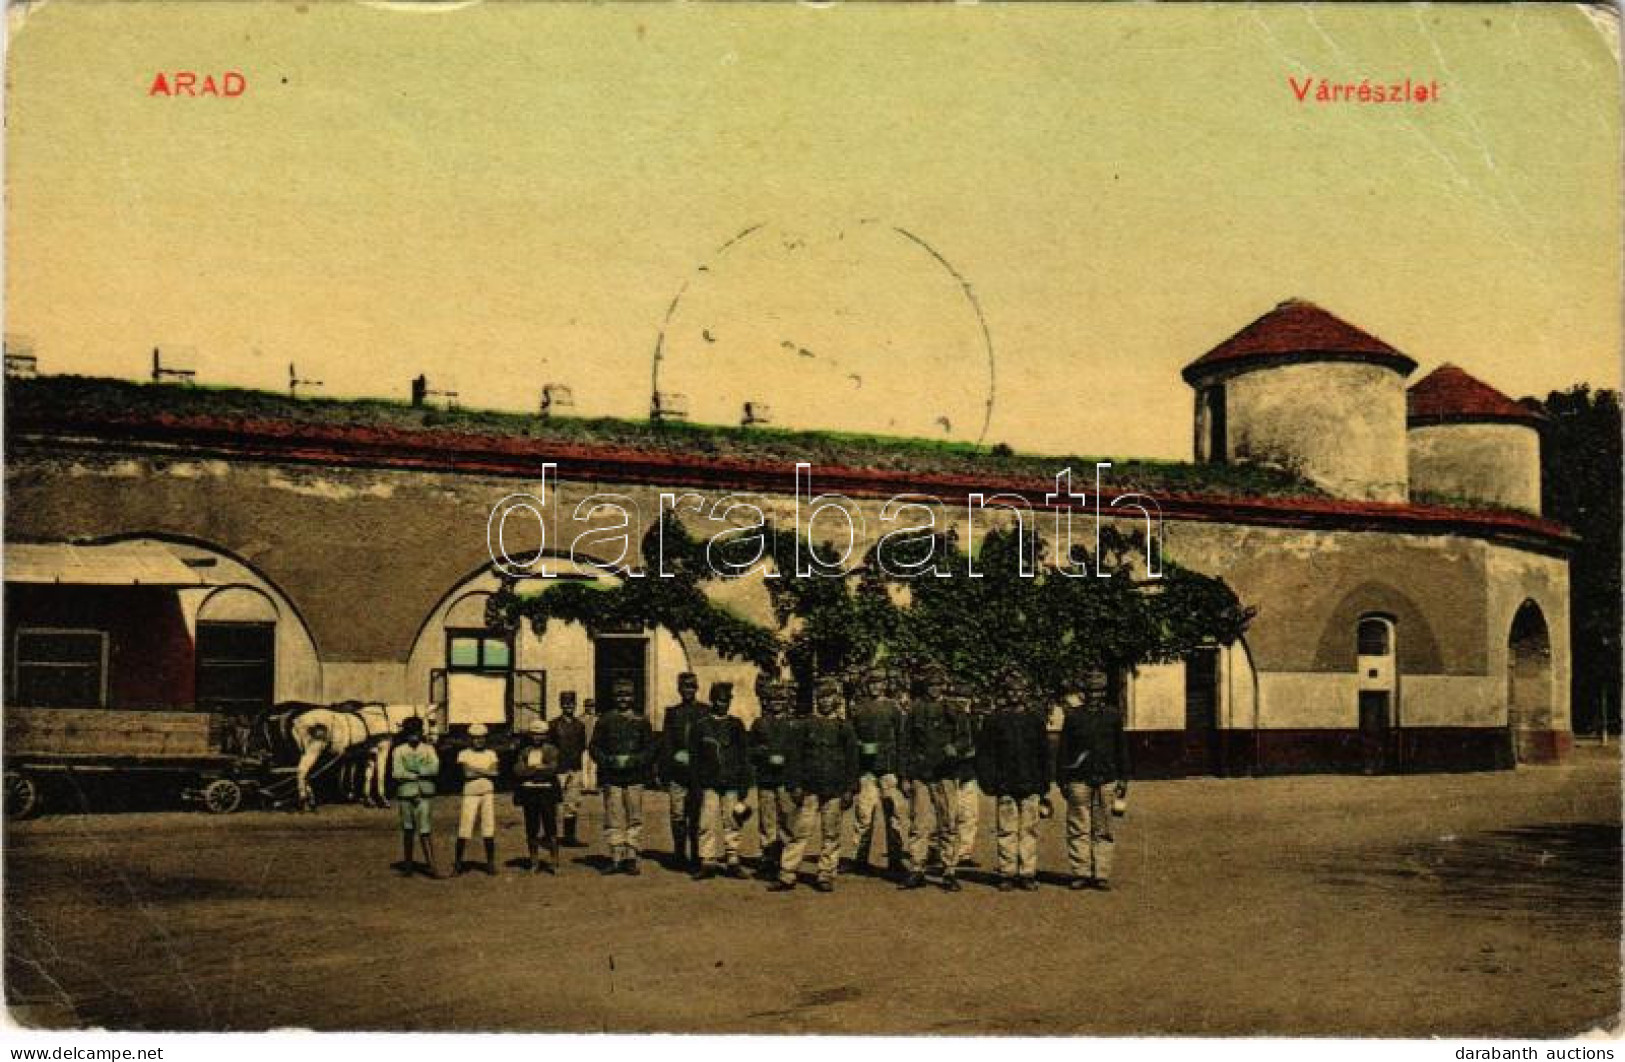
719	753
570	735
936	735
675	738
1094	747
1013	756
829	757
878	725
623	747
775	743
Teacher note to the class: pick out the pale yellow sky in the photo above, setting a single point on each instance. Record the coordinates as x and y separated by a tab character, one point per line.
508	194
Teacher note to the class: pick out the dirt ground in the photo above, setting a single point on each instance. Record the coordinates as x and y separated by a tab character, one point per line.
1484	904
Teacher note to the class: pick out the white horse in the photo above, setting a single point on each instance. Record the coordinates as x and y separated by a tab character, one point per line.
351	737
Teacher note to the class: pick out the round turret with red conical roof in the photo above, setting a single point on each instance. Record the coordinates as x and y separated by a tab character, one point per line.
1302	389
1471	443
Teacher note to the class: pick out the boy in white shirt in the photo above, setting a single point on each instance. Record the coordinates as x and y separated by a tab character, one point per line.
479	767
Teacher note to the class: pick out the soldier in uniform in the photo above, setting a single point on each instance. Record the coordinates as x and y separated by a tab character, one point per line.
623	747
828	780
569	733
877	720
719	765
775	746
1092	766
969	811
936	738
675	771
1013	765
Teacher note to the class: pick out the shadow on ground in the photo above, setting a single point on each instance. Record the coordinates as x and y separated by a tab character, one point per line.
1568	873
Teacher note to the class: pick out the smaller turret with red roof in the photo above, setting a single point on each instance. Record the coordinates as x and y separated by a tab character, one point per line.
1469	443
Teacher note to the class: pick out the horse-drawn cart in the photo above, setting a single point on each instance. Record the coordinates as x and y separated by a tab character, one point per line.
56	756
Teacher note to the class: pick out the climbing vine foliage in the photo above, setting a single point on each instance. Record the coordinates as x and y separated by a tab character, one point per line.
1041	630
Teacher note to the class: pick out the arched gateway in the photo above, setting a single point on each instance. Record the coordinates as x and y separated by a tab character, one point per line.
1529	679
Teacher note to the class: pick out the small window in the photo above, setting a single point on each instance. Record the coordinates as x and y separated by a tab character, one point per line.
1375	637
60	669
236	666
473	650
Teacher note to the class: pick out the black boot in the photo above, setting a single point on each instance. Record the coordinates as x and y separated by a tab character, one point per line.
408	863
553	850
457	857
491	857
535	862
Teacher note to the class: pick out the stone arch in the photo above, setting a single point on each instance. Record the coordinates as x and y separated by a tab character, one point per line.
238	604
566	653
232	590
1530	681
1417	649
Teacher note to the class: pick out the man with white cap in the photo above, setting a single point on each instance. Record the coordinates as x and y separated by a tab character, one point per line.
479	766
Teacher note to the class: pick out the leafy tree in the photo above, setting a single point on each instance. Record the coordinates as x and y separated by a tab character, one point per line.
1048	631
1580	487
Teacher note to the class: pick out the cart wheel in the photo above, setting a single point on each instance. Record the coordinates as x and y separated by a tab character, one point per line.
222	796
23	800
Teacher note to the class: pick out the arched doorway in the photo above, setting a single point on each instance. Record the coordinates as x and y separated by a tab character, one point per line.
1529	679
475	674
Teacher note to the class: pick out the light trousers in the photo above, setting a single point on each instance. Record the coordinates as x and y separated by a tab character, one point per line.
719	830
1016	820
881	797
1089	840
479	810
775	819
970	816
570	802
623	821
934	811
818	823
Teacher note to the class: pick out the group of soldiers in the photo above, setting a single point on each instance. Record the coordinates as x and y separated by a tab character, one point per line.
909	762
916	760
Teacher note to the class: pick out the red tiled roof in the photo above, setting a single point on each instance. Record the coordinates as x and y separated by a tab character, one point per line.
1297	330
1449	395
